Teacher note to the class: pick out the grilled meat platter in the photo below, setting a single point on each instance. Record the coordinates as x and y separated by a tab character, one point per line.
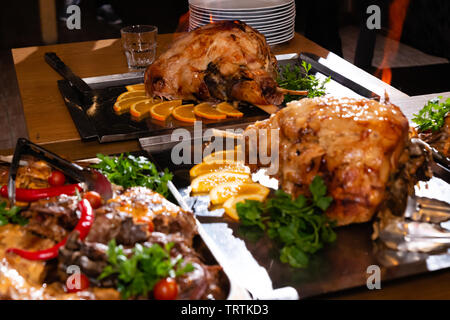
134	220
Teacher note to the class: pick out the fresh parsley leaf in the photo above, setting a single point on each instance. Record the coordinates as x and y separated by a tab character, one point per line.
129	171
299	225
293	77
11	215
139	273
432	115
251	213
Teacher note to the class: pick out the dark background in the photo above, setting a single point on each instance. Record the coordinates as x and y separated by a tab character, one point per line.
426	28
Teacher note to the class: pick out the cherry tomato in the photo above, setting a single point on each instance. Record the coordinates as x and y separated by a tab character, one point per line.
94	199
166	289
72	285
4	190
57	178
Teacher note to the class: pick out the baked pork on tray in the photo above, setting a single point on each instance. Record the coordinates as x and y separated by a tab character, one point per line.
361	148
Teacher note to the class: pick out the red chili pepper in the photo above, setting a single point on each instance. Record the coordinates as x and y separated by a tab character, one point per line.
29	195
83	226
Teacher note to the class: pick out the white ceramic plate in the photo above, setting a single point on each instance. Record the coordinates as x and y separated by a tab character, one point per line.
241	5
267	17
251	14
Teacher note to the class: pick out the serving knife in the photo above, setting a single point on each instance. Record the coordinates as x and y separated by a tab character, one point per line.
93	179
313	60
75	81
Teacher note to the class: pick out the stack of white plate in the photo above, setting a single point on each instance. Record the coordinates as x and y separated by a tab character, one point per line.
275	19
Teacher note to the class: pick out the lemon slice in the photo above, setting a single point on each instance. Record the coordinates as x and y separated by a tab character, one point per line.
206	110
162	110
131	94
218	165
136	87
122	106
223	192
229	155
229	110
206	182
230	204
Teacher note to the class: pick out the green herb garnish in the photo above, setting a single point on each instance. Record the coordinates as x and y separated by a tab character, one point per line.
11	215
432	116
299	225
130	171
138	274
292	77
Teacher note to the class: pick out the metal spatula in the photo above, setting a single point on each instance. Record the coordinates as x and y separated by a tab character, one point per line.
93	179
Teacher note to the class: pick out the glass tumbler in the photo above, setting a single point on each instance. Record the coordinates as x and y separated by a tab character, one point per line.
139	44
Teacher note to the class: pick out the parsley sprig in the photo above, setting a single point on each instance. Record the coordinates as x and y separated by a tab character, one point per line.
294	77
432	116
130	171
299	225
11	215
138	274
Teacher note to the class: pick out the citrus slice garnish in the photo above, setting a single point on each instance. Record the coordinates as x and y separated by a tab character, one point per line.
163	109
206	182
223	192
141	109
131	94
206	110
218	165
184	113
230	155
230	204
229	110
124	105
136	87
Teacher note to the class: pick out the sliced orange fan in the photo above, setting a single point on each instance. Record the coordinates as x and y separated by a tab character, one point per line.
206	110
162	110
184	113
141	109
229	110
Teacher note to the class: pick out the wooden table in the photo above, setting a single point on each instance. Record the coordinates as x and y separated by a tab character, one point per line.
49	123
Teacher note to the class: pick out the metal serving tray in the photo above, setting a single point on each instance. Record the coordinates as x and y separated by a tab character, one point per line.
254	263
97	120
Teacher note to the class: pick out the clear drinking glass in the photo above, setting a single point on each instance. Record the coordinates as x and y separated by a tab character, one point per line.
139	43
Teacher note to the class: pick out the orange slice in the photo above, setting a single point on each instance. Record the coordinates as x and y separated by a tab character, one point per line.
162	110
218	165
206	182
229	110
141	109
230	155
223	192
230	204
122	106
131	94
184	113
136	87
206	110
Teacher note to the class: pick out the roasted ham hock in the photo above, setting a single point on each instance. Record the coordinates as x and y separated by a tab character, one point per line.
224	61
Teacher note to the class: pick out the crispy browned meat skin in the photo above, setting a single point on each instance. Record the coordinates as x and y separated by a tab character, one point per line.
440	139
222	61
355	145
